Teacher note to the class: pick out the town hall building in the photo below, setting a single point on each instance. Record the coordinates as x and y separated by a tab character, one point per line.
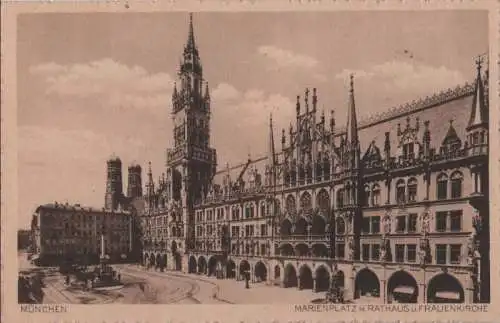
394	207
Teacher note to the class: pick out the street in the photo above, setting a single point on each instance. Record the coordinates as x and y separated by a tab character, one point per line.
141	286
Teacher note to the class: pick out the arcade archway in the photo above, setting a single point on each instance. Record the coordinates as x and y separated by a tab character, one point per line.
244	268
306	280
260	272
402	288
322	279
366	284
212	266
177	261
230	269
192	265
290	276
444	288
202	265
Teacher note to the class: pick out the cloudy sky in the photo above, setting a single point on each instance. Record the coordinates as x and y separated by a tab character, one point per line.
90	85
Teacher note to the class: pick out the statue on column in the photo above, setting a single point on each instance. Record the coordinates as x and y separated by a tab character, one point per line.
351	247
386	224
473	246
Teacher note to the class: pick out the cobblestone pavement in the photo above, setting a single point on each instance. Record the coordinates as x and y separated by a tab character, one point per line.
232	291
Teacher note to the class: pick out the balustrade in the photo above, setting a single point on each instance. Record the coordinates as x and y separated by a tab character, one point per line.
303	237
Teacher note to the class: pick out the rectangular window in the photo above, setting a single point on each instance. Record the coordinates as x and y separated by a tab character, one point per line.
366	251
442	189
375	224
411	252
456	221
375	252
412	222
441	254
341	250
366	225
400	253
455	253
262	249
441	221
401	223
263	230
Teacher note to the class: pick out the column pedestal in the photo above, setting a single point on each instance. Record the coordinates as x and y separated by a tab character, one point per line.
383	291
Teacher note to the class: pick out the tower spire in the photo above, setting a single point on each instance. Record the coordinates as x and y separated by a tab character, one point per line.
352	123
479	111
191	43
271	157
271	151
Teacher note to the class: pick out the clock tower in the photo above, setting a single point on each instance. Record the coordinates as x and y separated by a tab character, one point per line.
191	163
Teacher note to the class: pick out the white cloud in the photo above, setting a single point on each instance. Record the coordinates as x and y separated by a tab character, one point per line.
248	118
279	58
110	82
284	57
225	91
400	75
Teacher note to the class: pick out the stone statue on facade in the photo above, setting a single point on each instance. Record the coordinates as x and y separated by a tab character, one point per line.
351	248
386	224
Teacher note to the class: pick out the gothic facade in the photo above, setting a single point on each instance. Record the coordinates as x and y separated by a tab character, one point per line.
393	208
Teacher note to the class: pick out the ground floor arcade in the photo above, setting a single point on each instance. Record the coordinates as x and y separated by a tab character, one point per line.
376	282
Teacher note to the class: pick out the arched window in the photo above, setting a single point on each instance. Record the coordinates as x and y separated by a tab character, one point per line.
340	224
376	195
301	174
340	198
249	211
262	209
319	170
442	187
456	185
291	206
326	169
412	189
366	196
400	191
323	201
293	174
305	202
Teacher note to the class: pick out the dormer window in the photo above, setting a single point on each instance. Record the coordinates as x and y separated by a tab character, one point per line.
409	150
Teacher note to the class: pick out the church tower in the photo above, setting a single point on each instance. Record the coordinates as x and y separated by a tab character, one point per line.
114	185
191	163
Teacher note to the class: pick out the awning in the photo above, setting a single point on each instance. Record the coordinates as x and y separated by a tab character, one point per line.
404	290
448	295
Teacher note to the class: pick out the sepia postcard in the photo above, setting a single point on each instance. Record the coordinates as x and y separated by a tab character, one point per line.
250	161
